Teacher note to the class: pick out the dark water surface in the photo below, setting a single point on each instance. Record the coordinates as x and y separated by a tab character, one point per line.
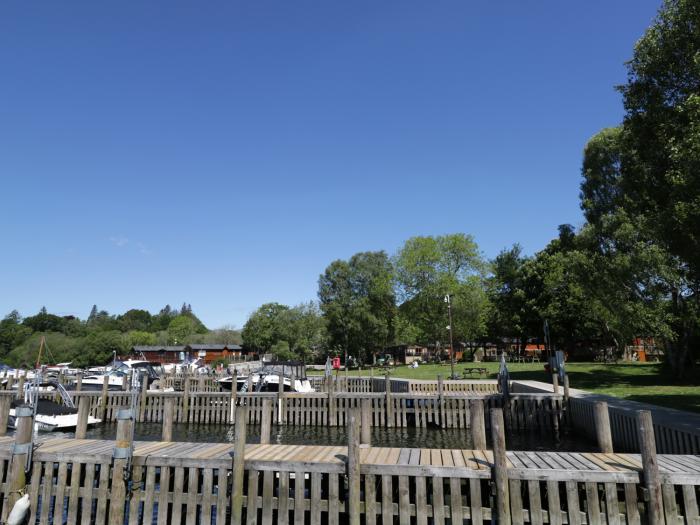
322	435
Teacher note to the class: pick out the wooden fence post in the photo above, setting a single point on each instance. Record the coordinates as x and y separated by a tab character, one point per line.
366	422
280	399
238	472
478	424
23	437
184	415
650	466
354	467
83	414
266	421
389	401
332	407
79	382
5	402
555	383
168	416
233	399
144	396
441	399
566	388
10	382
601	421
500	466
122	451
103	399
20	386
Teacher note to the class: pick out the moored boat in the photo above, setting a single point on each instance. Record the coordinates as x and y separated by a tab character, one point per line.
267	379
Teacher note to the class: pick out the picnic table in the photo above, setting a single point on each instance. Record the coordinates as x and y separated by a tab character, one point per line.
473	370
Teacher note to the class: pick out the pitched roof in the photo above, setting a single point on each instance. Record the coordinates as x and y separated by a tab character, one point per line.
213	347
156	348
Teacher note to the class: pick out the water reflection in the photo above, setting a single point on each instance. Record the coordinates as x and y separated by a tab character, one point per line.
323	435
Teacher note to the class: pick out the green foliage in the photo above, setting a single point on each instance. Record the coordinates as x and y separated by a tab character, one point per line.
287	333
641	191
358	302
281	351
135	320
263	328
509	316
94	340
182	327
12	332
428	269
44	322
140	338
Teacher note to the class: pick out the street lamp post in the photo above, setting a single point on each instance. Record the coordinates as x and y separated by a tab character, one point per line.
452	349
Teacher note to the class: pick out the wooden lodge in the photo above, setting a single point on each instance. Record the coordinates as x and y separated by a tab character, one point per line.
407	354
209	352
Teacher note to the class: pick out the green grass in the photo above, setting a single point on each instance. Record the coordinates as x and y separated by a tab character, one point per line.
647	383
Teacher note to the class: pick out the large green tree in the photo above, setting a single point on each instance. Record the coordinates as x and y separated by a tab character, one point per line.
357	300
660	158
508	316
263	329
428	269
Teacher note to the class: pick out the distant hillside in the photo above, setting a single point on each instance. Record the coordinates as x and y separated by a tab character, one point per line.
94	340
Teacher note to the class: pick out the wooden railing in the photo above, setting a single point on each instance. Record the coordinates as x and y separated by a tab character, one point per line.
677	432
525	411
82	481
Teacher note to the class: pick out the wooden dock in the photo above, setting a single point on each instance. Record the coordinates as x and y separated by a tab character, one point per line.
191	482
449	410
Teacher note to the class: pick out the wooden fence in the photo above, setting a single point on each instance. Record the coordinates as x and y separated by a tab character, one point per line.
523	411
676	432
674	438
82	481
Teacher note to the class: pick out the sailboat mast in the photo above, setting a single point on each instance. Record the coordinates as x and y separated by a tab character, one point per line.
38	357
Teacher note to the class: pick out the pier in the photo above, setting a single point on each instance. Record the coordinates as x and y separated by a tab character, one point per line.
122	481
193	483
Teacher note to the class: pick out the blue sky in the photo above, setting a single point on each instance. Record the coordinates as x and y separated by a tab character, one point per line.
223	153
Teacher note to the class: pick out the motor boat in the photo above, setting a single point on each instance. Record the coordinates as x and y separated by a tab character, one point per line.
49	415
116	374
189	366
267	379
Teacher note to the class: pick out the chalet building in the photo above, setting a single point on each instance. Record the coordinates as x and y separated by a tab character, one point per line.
208	352
160	354
212	352
406	354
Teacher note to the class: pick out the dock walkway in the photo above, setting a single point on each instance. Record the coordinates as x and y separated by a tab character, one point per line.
177	482
624	468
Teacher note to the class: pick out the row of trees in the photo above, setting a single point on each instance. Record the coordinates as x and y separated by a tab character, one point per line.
633	268
93	340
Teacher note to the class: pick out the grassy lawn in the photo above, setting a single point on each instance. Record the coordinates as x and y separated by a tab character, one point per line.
648	383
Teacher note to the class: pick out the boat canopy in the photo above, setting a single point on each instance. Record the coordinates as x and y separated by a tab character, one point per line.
285	368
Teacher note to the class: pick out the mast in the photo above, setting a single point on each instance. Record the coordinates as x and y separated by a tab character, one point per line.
38	357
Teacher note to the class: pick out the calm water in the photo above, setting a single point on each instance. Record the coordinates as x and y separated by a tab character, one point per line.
322	435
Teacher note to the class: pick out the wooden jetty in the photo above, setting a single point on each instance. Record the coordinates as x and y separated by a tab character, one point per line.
448	410
395	402
73	481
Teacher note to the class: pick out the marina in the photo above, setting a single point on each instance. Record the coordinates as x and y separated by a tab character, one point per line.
368	450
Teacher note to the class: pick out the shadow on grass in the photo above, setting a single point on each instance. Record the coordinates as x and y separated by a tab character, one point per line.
689	402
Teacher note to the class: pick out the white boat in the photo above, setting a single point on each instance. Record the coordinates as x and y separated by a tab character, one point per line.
49	415
116	374
267	379
187	366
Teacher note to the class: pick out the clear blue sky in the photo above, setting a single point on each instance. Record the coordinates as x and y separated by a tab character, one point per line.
224	152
